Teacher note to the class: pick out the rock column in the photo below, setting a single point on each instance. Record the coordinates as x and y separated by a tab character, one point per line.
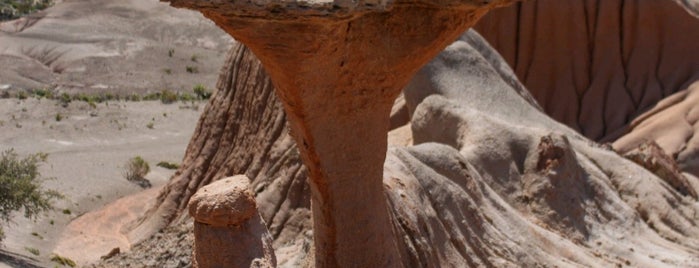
228	231
337	68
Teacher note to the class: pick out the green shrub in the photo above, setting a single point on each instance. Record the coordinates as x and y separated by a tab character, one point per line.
136	170
187	97
62	260
192	69
43	93
32	251
22	95
168	165
65	99
134	97
201	92
152	96
168	97
20	182
59	117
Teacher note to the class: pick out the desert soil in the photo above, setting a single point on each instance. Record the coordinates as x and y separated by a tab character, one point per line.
88	150
99	47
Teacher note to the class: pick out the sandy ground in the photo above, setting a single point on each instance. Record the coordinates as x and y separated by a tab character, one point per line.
121	47
87	152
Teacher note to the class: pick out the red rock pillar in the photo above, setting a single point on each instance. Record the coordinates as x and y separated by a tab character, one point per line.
337	68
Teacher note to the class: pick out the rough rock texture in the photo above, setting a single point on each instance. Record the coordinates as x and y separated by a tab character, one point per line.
170	247
228	231
337	75
224	202
494	182
650	156
242	131
596	65
673	124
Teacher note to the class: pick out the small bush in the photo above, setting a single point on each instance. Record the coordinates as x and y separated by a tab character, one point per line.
22	95
152	96
150	125
62	260
192	69
167	70
168	97
37	235
134	97
65	99
32	251
59	117
67	211
171	52
194	58
187	97
136	171
201	92
43	93
168	165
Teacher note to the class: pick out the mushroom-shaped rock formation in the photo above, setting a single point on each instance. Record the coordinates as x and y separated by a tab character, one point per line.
226	220
337	67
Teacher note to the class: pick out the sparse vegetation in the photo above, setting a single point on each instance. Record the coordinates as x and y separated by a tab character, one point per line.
201	92
194	58
192	69
65	99
136	170
62	260
42	93
35	234
168	165
22	95
168	97
34	251
165	96
134	97
20	182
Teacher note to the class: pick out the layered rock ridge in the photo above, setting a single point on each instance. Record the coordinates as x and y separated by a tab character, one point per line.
492	182
597	65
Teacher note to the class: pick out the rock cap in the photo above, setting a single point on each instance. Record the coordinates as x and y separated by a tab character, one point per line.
225	202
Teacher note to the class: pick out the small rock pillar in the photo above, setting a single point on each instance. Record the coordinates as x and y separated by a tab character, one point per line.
228	230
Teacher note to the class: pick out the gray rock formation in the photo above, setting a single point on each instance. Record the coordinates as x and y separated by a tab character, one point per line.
492	182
